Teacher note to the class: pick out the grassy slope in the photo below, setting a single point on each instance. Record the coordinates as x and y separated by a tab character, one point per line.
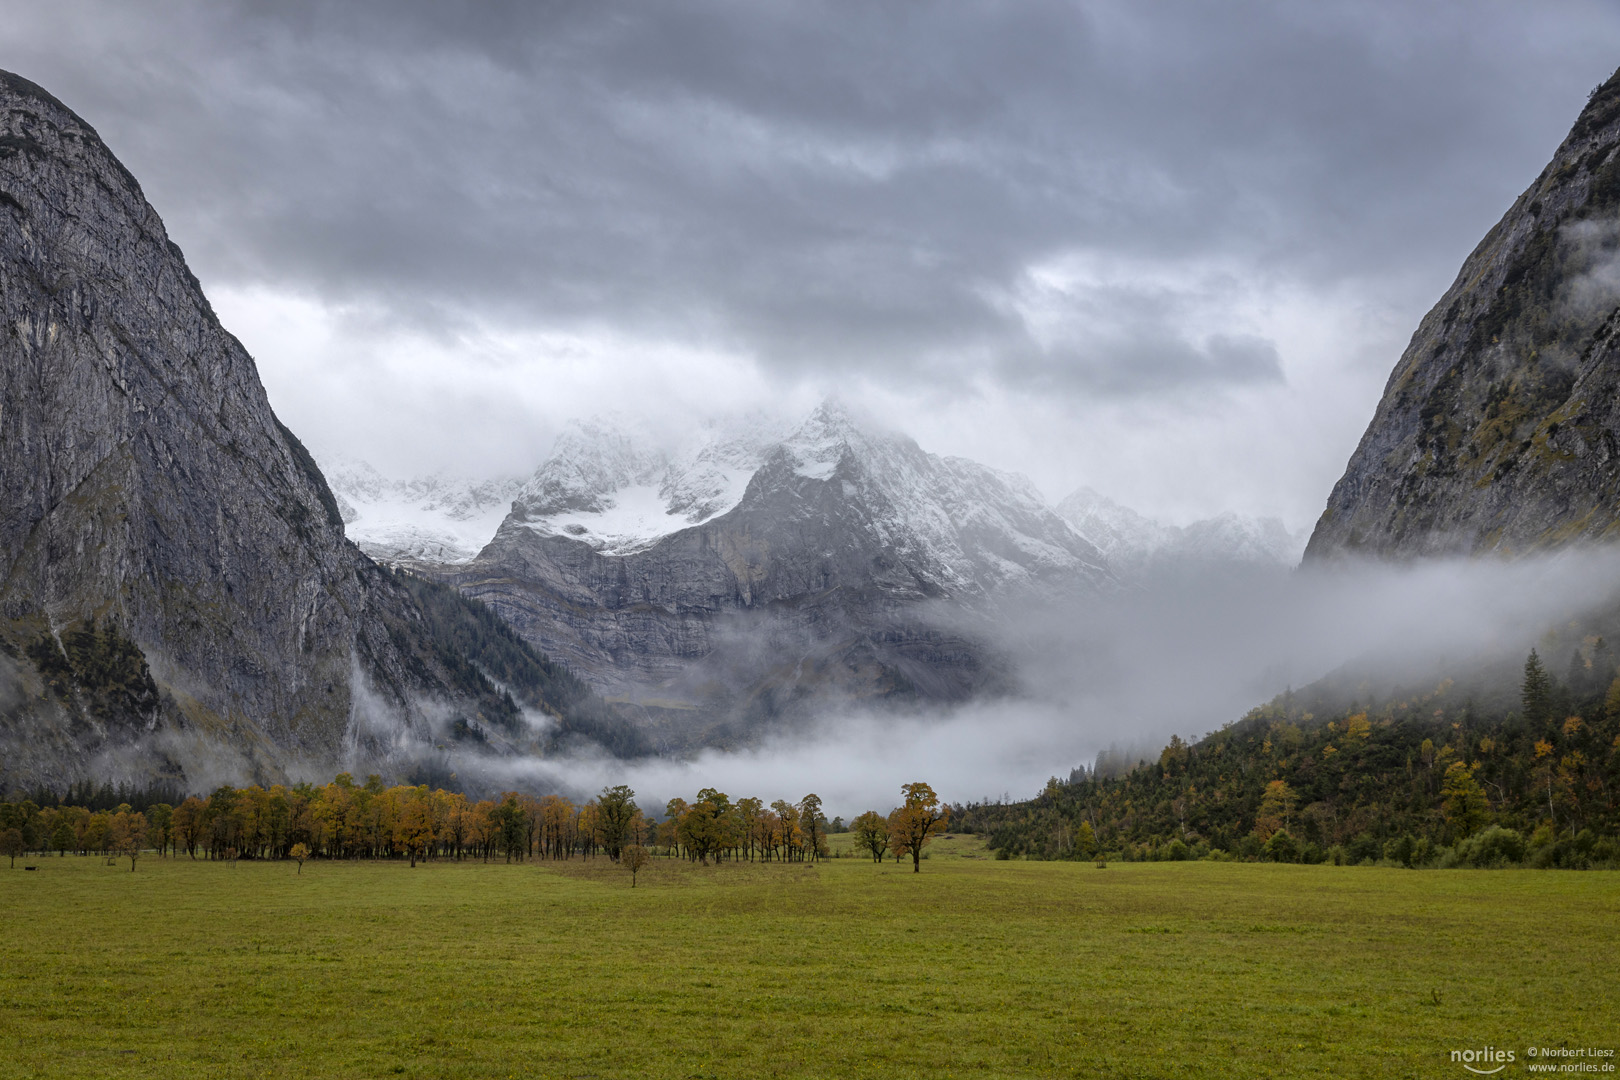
974	968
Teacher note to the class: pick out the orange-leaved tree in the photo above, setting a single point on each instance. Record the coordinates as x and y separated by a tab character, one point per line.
1276	807
916	822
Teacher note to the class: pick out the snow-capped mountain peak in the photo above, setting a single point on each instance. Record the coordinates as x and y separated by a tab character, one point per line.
963	526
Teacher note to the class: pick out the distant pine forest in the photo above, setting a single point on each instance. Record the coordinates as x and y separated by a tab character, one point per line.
1433	779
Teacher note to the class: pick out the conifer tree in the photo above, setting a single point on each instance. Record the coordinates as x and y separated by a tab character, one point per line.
1536	694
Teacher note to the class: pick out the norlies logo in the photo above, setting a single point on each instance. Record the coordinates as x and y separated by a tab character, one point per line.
1489	1056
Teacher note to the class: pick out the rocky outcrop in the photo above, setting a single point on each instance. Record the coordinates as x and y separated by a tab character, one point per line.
1498	429
851	568
177	599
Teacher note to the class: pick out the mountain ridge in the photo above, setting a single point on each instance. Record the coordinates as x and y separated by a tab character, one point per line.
1496	432
849	569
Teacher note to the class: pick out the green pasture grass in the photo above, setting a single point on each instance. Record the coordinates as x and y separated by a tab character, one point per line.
973	968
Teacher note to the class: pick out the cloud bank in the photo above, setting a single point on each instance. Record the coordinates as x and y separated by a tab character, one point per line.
1167	250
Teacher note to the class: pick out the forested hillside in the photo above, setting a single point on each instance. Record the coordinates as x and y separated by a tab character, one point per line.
1448	776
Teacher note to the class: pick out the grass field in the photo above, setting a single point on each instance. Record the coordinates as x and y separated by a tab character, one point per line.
973	968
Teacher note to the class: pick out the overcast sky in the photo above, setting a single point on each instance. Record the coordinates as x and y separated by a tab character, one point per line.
1168	250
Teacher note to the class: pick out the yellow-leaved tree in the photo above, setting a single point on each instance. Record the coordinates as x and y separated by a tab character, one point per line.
1276	806
916	822
1464	800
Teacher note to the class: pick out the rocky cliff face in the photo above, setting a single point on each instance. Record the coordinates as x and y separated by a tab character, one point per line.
1497	431
177	598
835	563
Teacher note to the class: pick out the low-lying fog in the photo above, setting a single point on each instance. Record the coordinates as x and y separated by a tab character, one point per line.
1183	655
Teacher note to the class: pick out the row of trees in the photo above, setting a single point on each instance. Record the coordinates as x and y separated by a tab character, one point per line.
349	820
1418	779
339	820
714	827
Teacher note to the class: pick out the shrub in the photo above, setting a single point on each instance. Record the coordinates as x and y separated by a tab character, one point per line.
1282	847
1364	848
1495	846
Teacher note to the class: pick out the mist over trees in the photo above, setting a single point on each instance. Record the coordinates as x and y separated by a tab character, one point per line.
1437	777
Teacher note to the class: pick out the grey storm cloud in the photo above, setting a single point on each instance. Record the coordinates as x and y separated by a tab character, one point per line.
826	187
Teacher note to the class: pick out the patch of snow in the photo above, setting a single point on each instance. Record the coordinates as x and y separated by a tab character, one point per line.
627	519
437	518
605	485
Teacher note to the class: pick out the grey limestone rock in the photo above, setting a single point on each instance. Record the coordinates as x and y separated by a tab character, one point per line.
1497	430
148	494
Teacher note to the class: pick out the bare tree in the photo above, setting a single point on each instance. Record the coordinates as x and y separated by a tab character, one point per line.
633	859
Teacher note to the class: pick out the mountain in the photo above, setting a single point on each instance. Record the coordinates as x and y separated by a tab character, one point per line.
1137	546
435	519
178	603
1497	429
757	571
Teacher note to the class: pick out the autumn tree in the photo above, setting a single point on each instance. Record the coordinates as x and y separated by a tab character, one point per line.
11	845
749	811
1276	807
634	858
160	826
789	828
872	833
810	815
556	826
299	852
702	829
509	820
916	822
63	835
413	822
128	835
187	823
616	812
1463	800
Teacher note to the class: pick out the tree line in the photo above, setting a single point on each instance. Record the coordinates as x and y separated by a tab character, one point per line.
348	820
1434	778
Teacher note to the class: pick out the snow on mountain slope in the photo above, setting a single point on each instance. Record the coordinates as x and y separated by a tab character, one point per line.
973	527
607	486
437	518
1135	545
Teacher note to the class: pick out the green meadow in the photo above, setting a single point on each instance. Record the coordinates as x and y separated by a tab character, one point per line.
973	968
